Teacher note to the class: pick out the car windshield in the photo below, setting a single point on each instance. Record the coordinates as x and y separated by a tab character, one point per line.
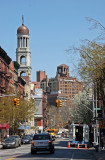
31	135
15	136
41	137
26	137
9	139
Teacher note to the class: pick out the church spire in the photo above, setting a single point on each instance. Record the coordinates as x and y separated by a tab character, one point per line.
22	20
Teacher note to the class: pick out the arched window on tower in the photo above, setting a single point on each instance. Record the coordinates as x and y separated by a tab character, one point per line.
23	60
23	74
23	42
26	42
18	43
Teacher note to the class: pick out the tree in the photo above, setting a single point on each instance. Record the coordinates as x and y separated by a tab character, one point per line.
13	115
82	109
92	62
59	116
91	66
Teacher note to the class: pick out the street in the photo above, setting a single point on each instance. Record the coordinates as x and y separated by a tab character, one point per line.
62	152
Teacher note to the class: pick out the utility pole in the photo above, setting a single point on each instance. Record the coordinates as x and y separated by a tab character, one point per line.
96	122
97	129
93	118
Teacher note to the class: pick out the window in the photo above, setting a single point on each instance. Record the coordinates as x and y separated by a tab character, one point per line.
26	42
59	71
41	137
23	74
23	42
23	60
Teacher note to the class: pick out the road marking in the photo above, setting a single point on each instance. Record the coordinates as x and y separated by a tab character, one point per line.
10	158
72	156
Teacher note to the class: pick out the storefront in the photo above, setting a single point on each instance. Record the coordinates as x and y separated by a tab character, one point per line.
4	131
23	129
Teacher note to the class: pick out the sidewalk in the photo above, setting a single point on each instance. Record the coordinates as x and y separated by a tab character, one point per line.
0	145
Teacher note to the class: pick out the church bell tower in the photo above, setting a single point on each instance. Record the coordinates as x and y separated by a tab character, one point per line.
23	56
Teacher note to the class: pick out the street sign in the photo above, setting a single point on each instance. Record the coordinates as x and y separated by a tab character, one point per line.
97	108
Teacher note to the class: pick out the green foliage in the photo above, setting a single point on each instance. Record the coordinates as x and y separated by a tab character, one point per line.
92	62
13	115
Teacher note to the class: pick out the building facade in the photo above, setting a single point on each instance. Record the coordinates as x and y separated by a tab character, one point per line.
10	84
39	112
5	75
63	87
41	75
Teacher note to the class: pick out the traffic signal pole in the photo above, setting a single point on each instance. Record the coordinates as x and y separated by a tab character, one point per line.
97	129
11	95
93	118
96	122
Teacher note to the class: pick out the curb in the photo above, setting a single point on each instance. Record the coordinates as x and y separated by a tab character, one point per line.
0	145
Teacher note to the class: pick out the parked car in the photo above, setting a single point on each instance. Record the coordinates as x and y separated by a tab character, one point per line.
26	139
17	137
10	142
42	142
58	135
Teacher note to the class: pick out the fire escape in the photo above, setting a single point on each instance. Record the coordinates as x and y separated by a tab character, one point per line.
4	79
4	71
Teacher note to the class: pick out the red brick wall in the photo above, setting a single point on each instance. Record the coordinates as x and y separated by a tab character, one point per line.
41	75
39	122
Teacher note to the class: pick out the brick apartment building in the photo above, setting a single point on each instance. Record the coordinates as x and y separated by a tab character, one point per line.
9	75
9	80
61	87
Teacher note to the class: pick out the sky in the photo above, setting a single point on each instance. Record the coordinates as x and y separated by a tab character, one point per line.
54	26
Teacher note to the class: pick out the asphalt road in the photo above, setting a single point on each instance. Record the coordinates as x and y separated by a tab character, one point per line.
62	152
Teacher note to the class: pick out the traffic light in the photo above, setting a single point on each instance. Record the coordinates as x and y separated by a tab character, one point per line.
14	101
57	103
60	103
17	102
99	113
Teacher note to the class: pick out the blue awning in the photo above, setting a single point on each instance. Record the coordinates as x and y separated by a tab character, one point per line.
23	127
